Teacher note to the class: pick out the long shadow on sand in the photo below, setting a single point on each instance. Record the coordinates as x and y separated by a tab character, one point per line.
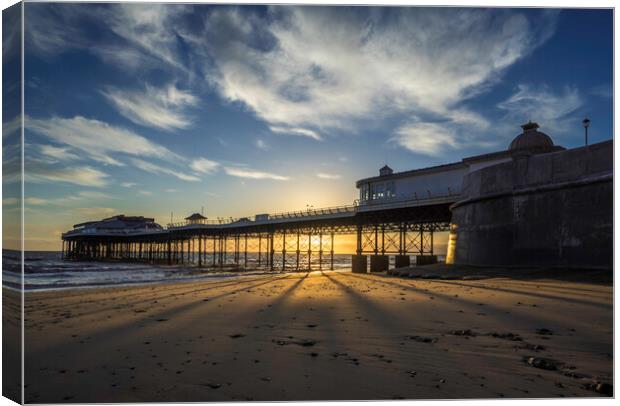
115	331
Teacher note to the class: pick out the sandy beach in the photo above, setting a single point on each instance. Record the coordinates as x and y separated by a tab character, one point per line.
319	336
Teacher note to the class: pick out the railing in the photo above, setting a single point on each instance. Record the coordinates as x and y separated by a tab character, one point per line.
314	212
311	212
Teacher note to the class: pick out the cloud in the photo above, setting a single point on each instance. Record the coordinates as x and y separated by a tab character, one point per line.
128	184
204	165
328	68
261	144
153	168
252	174
426	138
162	108
11	126
60	153
551	109
296	131
95	212
80	175
35	201
10	201
145	193
93	194
330	176
605	91
97	139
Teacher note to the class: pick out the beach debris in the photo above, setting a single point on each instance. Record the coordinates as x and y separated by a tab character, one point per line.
303	343
314	354
605	389
507	336
473	277
463	333
265	379
214	385
311	325
160	320
339	354
236	335
542	363
422	339
531	347
544	332
412	373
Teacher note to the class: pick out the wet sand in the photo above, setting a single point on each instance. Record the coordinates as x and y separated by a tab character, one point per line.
319	336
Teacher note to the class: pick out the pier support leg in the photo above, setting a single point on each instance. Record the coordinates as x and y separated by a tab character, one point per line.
359	263
260	249
402	261
331	252
297	252
309	252
320	250
271	251
284	250
379	263
245	251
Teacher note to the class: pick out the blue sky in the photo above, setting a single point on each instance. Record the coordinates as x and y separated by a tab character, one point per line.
148	109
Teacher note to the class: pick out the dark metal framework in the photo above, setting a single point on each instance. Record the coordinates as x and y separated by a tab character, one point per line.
288	245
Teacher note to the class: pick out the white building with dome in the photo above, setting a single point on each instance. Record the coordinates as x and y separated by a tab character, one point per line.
446	180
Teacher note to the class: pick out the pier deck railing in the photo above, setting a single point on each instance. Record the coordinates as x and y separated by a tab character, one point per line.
300	215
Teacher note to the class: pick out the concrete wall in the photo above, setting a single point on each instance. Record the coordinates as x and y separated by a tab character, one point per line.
548	209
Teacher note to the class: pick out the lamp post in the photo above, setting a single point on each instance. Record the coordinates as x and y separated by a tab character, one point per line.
586	124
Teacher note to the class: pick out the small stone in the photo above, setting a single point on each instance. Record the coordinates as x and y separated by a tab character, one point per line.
605	389
542	363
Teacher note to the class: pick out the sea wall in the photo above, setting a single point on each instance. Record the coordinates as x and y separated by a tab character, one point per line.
553	209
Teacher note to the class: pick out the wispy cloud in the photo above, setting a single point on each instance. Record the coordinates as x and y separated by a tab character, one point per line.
97	139
80	175
252	174
605	91
204	165
426	138
331	176
153	168
163	108
128	184
377	62
35	201
296	131
10	201
551	109
261	144
145	192
60	153
95	212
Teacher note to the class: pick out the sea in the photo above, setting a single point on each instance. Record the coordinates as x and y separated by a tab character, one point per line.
46	270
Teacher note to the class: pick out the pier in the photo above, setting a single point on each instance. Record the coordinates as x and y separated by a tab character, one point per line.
533	204
284	241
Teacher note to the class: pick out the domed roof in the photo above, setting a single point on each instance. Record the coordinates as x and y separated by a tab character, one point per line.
531	140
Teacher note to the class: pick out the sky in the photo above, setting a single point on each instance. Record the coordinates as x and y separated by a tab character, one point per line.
155	110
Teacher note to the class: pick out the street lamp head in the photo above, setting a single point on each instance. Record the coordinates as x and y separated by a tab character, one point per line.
586	122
